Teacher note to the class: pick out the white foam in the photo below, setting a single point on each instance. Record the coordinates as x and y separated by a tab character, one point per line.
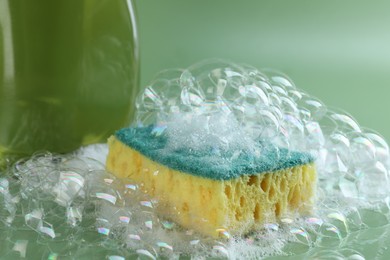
218	130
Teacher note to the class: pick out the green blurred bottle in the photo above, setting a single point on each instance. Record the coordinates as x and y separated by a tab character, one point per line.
68	73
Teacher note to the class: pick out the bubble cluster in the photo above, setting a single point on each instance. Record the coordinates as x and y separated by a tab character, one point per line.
225	104
68	206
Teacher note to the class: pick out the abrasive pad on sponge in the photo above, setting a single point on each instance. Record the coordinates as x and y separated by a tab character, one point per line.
208	195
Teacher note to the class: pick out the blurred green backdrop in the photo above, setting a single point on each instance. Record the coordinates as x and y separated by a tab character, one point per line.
338	51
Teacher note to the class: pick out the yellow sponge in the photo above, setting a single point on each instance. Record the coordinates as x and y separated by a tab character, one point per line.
208	205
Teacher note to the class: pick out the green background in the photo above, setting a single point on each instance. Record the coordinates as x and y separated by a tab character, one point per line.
338	51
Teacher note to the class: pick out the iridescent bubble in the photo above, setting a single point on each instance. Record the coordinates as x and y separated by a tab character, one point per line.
191	99
74	215
381	147
332	229
348	187
52	256
340	218
336	155
48	230
315	221
147	204
194	242
271	226
287	220
221	250
299	231
164	245
131	186
124	219
371	176
280	79
301	235
73	164
109	181
34	219
326	254
168	224
362	149
145	253
356	257
116	257
107	197
134	237
373	218
344	121
223	233
21	247
151	98
159	129
69	185
315	136
103	231
149	224
310	107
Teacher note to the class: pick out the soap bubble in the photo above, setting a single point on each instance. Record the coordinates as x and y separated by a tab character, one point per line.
68	206
266	105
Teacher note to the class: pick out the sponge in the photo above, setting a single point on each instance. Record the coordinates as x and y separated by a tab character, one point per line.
211	195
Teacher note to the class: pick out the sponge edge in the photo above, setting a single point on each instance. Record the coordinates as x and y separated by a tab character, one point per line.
208	206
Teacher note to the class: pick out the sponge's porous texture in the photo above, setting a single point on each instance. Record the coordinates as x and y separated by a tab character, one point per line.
209	199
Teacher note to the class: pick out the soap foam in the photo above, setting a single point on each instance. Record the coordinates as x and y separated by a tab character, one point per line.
54	206
218	131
